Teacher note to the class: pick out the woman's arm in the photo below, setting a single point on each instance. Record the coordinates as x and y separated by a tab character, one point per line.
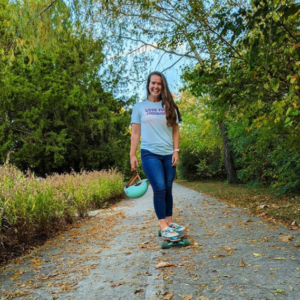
175	157
135	139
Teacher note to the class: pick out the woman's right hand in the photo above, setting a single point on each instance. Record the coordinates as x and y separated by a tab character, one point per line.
134	163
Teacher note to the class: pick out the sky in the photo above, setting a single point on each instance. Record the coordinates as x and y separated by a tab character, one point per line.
161	63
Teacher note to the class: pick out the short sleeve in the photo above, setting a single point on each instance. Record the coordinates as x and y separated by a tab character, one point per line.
135	116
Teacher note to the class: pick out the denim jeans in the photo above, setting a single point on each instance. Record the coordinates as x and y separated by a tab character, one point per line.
160	173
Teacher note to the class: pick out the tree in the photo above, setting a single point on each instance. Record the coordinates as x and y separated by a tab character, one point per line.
55	115
259	94
200	140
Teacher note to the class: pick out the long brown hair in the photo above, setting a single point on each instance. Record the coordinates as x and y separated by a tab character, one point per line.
167	100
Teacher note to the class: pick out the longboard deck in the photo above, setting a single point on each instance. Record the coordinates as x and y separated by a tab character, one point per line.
174	241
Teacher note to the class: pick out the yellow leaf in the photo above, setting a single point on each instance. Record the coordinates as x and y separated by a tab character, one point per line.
257	254
294	78
217	256
242	264
227	248
169	296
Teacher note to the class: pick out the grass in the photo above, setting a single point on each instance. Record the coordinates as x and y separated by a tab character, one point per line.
32	209
260	201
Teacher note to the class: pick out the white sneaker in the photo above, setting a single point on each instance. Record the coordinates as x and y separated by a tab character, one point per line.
177	227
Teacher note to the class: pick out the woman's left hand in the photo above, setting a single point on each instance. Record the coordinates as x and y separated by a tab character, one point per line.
175	159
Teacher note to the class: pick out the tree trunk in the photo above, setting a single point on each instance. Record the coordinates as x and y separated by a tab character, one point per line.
228	160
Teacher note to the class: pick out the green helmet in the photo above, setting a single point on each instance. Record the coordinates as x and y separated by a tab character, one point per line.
137	190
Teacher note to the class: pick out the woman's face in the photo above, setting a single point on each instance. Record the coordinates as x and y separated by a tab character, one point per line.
155	86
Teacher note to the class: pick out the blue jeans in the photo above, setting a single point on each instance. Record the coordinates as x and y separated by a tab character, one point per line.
160	173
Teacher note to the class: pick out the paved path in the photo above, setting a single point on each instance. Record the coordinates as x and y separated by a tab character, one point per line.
114	254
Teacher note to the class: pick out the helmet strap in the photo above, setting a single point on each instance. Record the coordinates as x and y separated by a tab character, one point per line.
134	177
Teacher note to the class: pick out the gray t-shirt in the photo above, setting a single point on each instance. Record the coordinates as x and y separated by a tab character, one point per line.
156	135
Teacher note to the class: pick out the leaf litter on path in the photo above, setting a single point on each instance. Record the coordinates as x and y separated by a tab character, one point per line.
80	247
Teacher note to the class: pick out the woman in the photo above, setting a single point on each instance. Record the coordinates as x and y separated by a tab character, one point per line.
156	121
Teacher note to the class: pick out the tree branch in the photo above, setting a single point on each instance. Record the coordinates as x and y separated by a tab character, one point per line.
224	41
161	49
172	64
48	7
160	60
290	34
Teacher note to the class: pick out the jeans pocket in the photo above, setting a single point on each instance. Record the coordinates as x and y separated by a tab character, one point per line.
145	154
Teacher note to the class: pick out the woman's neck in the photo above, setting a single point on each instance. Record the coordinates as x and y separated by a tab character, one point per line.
153	99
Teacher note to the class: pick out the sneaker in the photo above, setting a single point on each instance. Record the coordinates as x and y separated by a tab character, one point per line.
176	227
169	233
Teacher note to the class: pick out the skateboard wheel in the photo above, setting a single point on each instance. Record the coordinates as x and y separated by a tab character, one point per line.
159	233
165	245
186	242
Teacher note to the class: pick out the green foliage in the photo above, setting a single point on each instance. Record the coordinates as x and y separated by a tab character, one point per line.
256	94
55	115
201	156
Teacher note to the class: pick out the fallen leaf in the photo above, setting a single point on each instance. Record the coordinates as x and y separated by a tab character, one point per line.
164	265
242	264
117	284
263	206
275	206
169	296
144	245
285	238
262	214
186	297
204	298
227	248
217	256
257	254
279	258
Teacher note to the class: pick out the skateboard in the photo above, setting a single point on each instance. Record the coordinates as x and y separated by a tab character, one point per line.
174	241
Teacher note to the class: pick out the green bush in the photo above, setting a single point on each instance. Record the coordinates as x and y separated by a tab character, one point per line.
201	164
31	206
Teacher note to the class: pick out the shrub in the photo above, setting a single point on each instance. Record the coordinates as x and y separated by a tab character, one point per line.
31	206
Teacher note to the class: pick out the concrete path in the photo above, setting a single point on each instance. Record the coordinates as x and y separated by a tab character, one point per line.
116	253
